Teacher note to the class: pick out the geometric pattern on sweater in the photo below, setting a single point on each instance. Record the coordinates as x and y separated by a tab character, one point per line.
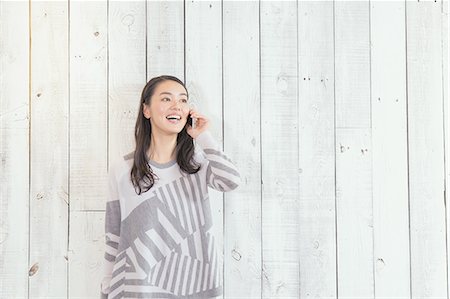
179	218
160	244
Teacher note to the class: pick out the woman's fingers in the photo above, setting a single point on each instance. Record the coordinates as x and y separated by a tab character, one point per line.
195	114
201	123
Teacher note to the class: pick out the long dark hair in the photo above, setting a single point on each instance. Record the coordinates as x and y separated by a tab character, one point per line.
142	175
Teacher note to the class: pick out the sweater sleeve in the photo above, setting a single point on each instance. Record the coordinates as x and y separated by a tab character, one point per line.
112	230
221	173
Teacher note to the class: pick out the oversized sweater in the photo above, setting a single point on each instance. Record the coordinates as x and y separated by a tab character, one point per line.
160	244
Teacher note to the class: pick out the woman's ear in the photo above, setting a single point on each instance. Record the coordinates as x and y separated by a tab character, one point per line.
146	111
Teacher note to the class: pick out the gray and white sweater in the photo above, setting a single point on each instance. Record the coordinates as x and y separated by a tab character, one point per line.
160	244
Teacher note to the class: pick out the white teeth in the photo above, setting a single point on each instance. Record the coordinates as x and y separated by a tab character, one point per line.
174	116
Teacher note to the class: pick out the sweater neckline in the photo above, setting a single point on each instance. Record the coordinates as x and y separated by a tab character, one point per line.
162	165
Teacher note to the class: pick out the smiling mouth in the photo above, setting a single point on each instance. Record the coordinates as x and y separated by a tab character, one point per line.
174	120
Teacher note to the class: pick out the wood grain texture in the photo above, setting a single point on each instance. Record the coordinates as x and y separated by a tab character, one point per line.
88	104
334	112
88	145
316	154
426	150
165	38
86	253
242	112
14	149
354	206
126	73
203	48
445	83
351	34
49	149
279	150
390	163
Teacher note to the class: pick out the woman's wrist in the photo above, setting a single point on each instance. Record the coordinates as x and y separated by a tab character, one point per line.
206	140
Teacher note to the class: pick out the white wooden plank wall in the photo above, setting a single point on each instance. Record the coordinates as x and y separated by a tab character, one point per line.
14	150
445	80
335	112
279	142
390	163
242	105
88	142
48	150
316	154
426	150
203	22
353	150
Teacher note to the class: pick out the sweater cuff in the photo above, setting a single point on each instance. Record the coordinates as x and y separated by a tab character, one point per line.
206	140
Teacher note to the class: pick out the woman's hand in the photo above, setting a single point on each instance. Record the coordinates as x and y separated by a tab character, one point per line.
201	124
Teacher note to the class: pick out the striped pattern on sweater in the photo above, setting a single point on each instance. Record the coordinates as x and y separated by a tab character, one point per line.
160	244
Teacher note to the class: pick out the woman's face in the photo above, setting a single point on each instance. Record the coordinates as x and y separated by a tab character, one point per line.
169	99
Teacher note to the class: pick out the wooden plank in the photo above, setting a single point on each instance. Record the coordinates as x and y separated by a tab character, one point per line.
355	266
49	149
354	213
126	73
279	143
352	64
88	105
126	79
241	92
445	84
88	142
390	163
204	83
426	149
316	155
165	38
86	253
14	148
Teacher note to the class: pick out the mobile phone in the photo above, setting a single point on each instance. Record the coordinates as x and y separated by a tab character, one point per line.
191	121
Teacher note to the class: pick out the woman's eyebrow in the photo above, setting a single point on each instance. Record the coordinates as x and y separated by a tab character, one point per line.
165	92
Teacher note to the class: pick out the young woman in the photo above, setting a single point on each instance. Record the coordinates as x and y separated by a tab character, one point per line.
159	242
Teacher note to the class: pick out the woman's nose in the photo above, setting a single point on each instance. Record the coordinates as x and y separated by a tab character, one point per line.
179	104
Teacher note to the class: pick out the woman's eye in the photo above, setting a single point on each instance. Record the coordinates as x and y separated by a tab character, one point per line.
166	98
184	101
